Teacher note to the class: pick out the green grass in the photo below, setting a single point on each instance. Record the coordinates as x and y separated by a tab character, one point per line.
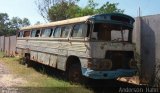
38	82
1	54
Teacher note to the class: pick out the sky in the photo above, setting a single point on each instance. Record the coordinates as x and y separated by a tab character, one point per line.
28	8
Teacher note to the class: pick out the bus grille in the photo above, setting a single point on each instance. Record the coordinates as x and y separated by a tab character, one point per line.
120	59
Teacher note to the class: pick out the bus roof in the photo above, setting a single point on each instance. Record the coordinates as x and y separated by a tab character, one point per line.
77	20
62	22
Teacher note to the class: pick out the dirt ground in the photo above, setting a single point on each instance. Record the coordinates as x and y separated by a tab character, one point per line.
9	82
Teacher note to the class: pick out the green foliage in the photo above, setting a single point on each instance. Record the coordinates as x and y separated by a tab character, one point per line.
10	26
4	23
64	9
89	9
109	8
17	23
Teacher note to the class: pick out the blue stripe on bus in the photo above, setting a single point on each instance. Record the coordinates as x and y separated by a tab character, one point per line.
107	74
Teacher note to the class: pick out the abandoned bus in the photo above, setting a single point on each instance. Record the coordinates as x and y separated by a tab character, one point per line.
97	46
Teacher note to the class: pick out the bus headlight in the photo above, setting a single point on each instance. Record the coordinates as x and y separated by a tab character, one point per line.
132	64
101	64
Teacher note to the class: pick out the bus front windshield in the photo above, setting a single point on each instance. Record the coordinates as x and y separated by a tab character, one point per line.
111	32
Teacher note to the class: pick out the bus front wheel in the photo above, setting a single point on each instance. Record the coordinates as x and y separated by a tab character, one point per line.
74	73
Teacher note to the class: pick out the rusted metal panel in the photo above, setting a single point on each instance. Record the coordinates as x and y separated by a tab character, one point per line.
34	55
12	45
7	46
1	43
43	58
61	62
53	60
21	46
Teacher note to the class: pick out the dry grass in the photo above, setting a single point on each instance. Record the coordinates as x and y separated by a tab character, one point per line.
38	82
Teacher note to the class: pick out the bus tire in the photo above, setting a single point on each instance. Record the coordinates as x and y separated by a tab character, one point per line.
27	61
74	73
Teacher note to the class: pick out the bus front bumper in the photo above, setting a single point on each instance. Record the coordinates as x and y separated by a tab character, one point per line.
107	74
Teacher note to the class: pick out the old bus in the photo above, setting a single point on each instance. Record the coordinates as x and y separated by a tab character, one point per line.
97	46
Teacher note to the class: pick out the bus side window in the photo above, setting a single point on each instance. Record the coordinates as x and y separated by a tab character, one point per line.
26	33
65	31
57	32
20	34
79	30
46	32
43	33
33	33
37	33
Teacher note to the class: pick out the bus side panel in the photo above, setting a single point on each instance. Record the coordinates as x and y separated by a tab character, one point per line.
43	58
21	46
34	55
61	62
53	61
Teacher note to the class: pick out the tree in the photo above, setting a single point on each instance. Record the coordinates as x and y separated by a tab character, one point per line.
109	8
90	9
4	23
25	22
53	10
63	10
9	27
44	6
16	23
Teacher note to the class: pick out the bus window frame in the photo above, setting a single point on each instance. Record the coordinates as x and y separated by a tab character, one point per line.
36	32
67	37
69	32
79	38
55	32
51	34
31	33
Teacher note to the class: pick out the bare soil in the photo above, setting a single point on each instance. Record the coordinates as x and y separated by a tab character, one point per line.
9	82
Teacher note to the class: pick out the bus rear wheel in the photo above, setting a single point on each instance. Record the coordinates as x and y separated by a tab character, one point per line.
27	60
74	73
